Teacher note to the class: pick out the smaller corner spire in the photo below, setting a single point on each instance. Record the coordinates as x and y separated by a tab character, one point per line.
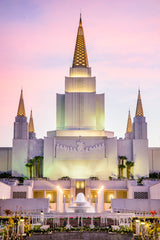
31	124
129	124
139	108
21	109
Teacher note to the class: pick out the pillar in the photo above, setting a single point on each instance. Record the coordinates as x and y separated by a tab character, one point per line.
115	194
64	204
44	193
59	201
100	207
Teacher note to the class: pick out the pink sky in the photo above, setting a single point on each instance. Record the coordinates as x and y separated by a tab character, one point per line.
36	50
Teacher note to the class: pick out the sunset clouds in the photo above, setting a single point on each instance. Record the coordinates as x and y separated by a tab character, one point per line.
36	50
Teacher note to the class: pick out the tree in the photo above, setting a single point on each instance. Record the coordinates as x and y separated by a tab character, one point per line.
38	162
121	165
129	164
29	165
34	167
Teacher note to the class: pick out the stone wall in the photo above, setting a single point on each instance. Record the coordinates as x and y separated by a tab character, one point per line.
5	159
29	205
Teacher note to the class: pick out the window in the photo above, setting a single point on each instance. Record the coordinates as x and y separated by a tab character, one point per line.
19	194
140	195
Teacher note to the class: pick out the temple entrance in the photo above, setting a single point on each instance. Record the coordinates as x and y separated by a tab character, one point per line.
80	187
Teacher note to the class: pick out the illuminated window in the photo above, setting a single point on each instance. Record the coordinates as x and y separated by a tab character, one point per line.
77	184
108	195
52	196
80	184
94	196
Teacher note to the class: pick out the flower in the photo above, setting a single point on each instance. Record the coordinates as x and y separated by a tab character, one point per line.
153	213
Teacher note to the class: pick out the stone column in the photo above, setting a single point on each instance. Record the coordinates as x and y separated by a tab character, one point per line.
87	189
73	189
95	204
64	204
44	193
59	200
115	194
100	208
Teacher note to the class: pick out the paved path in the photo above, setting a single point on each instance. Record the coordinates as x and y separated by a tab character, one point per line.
81	236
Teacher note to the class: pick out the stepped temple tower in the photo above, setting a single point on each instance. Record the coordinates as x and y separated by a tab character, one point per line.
80	147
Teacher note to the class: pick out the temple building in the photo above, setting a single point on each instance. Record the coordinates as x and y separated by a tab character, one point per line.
80	147
80	156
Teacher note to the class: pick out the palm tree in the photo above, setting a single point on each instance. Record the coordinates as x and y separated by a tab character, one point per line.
38	166
34	167
129	164
41	166
29	165
121	165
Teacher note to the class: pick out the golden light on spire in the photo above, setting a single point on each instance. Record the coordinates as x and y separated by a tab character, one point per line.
139	109
129	124
21	109
80	58
31	124
80	21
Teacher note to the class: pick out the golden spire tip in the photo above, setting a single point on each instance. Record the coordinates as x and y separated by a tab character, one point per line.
129	123
80	58
21	109
31	124
139	109
80	20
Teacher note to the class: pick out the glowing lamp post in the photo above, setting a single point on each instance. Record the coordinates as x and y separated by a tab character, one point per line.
21	226
137	227
143	228
42	217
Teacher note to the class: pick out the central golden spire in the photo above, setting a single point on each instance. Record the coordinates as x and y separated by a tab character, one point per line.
80	58
139	109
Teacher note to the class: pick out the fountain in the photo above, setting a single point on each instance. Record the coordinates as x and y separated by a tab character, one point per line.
80	205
